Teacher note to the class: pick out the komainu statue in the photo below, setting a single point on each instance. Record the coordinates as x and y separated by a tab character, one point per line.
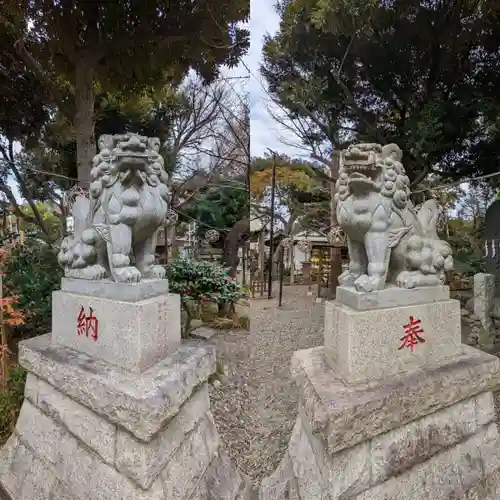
115	228
390	243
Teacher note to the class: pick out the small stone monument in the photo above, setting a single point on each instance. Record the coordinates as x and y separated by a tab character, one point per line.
393	406
115	406
487	285
492	243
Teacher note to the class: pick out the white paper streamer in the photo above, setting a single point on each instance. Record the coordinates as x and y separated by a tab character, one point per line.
486	249
494	248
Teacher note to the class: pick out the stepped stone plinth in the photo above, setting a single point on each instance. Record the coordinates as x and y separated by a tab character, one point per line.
115	406
377	421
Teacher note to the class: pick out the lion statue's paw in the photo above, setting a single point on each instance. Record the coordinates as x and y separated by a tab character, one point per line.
155	272
367	283
127	274
408	279
347	278
95	272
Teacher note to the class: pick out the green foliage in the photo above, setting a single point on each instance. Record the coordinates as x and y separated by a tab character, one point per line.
199	280
302	187
148	113
32	273
11	399
63	55
52	222
466	242
421	74
220	208
128	45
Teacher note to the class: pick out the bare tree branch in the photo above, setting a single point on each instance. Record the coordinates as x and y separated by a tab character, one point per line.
7	152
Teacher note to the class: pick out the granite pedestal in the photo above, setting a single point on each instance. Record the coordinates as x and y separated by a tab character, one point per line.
107	417
130	326
365	343
422	428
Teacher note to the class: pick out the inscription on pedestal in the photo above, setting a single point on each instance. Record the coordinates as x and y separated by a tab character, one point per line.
162	312
413	334
132	335
368	345
87	325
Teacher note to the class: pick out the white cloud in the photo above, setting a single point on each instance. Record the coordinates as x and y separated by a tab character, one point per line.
264	131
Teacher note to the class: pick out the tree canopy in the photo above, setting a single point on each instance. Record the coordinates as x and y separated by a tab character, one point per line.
421	73
64	53
302	191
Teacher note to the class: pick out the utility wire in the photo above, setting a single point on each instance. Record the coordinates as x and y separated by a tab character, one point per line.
423	190
201	223
229	182
457	183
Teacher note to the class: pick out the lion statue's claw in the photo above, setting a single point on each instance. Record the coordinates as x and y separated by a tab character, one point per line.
95	272
155	272
367	283
347	278
127	274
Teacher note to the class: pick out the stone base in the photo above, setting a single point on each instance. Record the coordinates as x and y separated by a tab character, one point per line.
89	431
131	335
107	289
390	297
365	346
428	436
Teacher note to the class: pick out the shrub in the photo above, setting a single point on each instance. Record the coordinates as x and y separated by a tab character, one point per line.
30	274
11	399
201	281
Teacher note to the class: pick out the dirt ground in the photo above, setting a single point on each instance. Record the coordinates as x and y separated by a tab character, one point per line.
255	406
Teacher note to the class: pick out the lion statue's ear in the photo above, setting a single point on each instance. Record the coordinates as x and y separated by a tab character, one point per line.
392	151
105	142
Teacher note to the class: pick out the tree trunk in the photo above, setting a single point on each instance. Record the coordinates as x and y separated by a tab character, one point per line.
84	119
262	256
334	172
232	243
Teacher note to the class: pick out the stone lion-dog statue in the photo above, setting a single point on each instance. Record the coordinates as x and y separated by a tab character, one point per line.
389	242
115	228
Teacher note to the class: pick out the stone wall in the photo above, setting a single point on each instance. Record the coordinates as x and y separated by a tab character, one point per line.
123	414
425	430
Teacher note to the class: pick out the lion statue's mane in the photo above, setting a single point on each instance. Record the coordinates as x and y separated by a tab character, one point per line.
115	228
389	241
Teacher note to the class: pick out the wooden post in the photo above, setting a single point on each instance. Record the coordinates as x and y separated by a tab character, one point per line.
335	269
262	258
320	271
291	254
3	339
334	172
282	272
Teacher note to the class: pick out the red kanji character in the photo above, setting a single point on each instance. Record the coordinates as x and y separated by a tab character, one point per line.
81	322
412	335
92	325
86	324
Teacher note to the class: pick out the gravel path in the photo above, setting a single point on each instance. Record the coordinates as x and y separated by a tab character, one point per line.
255	406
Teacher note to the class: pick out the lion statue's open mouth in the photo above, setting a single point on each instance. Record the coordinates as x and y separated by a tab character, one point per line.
360	163
117	225
389	241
